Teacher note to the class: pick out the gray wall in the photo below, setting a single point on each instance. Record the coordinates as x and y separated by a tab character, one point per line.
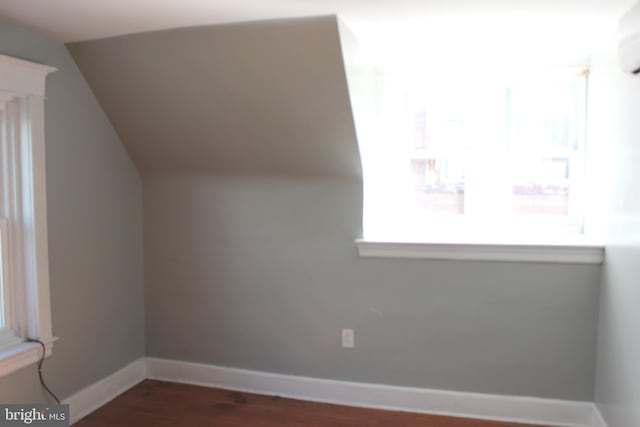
95	232
618	368
262	273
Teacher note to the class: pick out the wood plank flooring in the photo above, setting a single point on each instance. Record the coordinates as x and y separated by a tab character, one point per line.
163	404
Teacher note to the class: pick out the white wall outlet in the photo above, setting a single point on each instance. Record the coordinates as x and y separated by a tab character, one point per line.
348	338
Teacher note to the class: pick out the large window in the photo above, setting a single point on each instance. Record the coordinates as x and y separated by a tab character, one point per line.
471	131
24	271
475	156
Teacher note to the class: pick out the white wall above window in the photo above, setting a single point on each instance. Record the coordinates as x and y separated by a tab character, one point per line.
473	42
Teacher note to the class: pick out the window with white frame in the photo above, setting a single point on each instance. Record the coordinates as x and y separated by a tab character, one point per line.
471	132
24	276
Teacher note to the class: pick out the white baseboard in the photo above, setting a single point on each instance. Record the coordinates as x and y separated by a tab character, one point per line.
91	398
472	405
598	420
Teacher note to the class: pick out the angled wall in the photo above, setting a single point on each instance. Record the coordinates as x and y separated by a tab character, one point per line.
256	99
94	207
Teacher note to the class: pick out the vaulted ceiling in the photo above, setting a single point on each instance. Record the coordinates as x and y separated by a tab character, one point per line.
264	98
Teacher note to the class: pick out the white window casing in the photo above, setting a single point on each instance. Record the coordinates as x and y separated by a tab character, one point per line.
23	212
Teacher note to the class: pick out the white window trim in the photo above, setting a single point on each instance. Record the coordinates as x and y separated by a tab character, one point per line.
576	252
458	239
22	91
23	354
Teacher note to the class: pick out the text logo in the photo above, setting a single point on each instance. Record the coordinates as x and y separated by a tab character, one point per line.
34	415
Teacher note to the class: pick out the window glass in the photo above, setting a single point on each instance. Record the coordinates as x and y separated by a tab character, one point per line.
483	150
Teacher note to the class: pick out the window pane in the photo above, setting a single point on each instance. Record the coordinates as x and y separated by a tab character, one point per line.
544	141
491	149
2	274
541	186
3	227
455	124
439	184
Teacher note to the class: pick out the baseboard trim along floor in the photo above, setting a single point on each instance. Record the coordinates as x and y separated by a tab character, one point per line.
530	410
96	395
598	420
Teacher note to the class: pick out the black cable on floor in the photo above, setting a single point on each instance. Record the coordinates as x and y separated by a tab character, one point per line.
44	351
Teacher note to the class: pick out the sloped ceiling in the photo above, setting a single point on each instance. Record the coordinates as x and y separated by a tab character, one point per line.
263	98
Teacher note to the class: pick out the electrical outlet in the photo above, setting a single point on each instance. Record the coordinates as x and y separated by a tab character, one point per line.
348	338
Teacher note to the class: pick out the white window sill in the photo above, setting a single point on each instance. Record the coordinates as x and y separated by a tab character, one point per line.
572	251
23	354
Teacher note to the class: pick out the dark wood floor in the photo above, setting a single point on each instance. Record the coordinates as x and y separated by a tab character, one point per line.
159	404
